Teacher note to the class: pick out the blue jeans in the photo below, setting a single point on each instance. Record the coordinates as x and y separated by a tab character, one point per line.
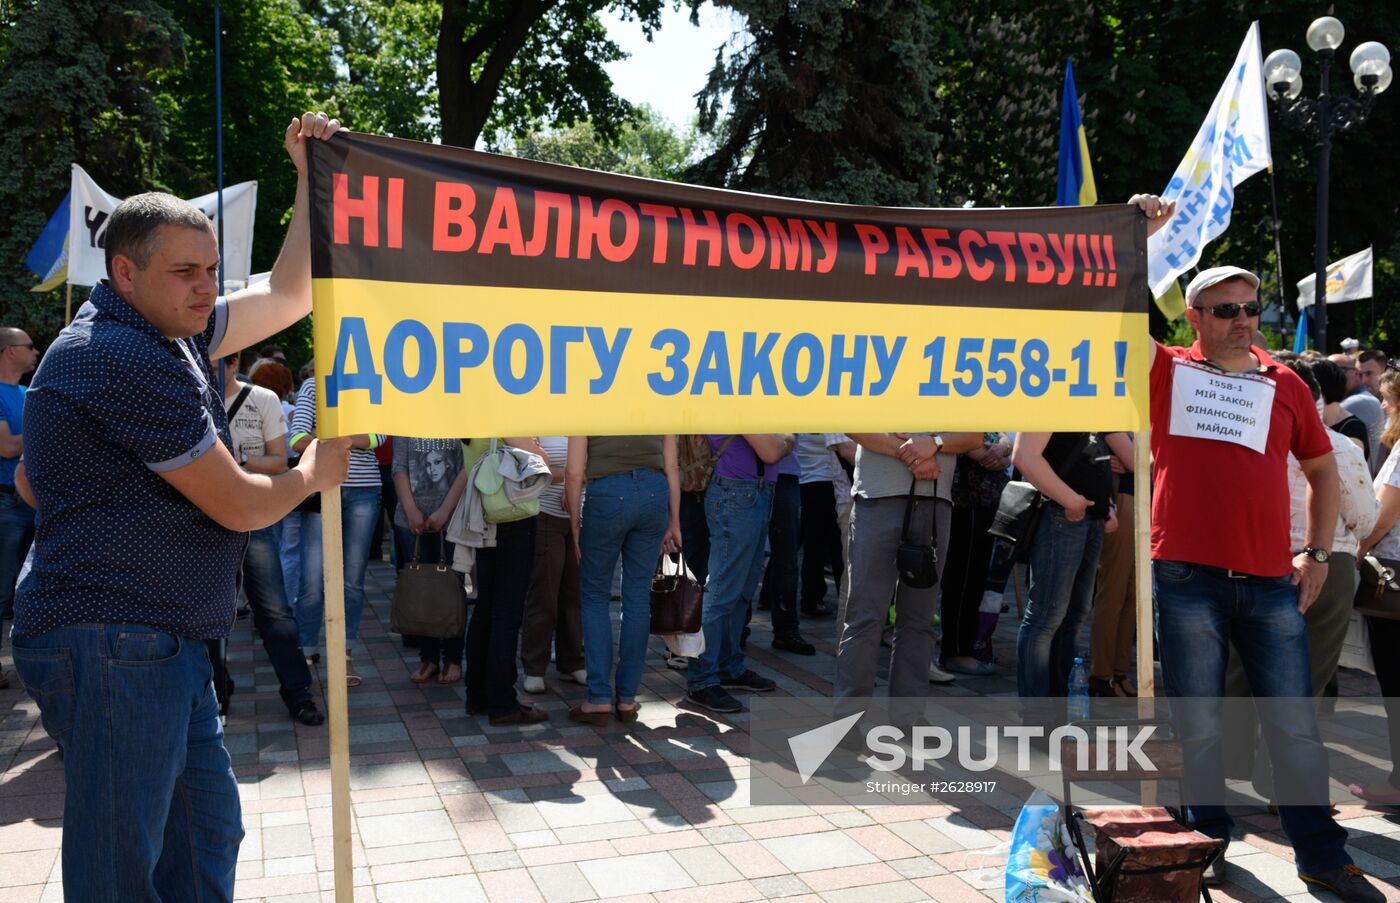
1064	563
273	618
624	515
16	533
289	551
359	510
151	809
737	513
1200	614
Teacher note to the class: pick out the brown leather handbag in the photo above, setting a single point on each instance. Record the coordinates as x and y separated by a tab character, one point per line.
677	599
429	600
1378	590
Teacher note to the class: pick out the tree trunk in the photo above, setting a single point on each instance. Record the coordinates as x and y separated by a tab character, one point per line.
465	105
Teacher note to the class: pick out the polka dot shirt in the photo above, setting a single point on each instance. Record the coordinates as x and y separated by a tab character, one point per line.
113	406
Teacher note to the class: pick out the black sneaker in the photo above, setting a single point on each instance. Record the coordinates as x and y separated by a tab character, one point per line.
819	612
793	642
715	699
1348	883
754	683
307	713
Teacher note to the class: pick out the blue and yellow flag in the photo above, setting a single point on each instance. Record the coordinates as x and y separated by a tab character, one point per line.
48	259
1076	183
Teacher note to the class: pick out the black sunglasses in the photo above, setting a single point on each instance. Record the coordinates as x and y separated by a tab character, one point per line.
1230	311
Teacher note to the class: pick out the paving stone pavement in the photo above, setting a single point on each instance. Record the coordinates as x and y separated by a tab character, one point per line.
447	807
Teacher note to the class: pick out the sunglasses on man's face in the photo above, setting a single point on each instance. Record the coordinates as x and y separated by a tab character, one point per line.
1230	311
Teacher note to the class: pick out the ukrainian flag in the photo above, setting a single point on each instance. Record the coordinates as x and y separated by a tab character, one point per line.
48	259
1076	183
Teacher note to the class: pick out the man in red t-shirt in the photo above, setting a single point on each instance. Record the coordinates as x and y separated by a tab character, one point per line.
1224	418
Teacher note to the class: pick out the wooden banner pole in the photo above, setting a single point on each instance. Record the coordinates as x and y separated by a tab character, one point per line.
336	694
1142	578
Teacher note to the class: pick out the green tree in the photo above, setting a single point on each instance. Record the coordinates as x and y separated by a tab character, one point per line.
829	100
78	84
507	66
386	51
649	147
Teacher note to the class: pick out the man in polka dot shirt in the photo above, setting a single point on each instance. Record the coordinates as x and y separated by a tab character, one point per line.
143	516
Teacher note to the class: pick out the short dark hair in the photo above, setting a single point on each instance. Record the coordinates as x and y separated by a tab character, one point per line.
1305	373
1330	379
248	358
135	225
1372	354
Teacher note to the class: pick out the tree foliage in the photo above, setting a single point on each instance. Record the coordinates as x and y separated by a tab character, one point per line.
827	99
509	66
648	147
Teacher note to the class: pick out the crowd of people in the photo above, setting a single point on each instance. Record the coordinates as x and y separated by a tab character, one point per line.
167	469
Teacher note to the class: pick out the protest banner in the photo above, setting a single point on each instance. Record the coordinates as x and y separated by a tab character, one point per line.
464	293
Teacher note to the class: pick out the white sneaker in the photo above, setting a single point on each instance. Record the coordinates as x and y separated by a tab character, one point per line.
677	662
534	684
579	677
937	675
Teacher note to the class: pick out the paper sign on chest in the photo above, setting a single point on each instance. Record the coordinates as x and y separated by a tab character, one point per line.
1224	407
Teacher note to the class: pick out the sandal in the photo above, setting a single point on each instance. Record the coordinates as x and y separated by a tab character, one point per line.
351	678
1376	794
425	673
628	716
451	674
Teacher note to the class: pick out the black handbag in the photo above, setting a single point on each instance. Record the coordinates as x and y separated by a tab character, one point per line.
1378	590
677	600
429	601
917	562
1018	511
1018	515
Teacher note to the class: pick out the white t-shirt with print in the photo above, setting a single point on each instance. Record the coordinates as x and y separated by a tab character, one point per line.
259	420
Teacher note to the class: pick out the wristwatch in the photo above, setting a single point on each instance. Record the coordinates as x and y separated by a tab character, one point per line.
243	458
938	441
1318	555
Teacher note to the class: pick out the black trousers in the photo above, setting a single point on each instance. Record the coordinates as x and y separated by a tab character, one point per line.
493	634
695	535
821	542
780	576
964	578
1385	640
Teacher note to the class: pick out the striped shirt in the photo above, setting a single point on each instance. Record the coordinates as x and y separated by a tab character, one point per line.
364	468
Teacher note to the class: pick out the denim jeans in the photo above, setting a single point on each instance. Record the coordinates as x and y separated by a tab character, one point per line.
784	536
624	516
273	618
1064	564
493	634
151	810
440	652
1200	614
289	531
359	509
737	512
16	533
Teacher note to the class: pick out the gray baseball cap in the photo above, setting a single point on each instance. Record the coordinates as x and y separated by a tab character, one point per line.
1206	278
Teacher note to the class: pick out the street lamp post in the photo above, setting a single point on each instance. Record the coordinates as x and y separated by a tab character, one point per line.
1322	117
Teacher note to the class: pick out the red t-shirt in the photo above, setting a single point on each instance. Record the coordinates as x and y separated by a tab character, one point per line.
1220	503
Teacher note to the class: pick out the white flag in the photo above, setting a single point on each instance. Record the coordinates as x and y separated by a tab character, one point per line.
1347	280
1232	145
90	208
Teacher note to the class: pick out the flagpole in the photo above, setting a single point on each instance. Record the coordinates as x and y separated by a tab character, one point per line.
1278	244
68	303
219	132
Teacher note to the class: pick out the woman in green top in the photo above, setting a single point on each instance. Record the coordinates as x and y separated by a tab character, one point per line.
632	512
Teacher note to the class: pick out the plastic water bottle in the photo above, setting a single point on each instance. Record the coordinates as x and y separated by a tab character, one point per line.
1078	708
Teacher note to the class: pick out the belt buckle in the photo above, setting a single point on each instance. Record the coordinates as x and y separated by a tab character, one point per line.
1235	575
